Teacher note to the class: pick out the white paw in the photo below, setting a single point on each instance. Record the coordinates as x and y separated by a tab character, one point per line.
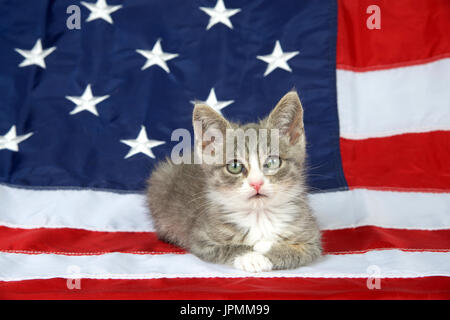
253	262
262	246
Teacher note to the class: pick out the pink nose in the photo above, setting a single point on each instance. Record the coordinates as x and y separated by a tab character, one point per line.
256	185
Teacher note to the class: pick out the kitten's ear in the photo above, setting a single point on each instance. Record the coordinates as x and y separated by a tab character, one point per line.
207	122
287	116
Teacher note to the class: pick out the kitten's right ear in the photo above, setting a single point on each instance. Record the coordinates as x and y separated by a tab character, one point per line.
207	122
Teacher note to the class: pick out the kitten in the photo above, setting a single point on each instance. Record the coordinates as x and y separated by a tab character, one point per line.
236	213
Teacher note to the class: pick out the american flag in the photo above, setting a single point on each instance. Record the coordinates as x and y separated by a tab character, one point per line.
92	90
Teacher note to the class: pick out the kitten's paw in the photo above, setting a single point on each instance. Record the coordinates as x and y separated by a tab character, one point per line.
262	246
253	262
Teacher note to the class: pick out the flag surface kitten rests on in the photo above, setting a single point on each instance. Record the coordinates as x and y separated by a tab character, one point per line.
251	212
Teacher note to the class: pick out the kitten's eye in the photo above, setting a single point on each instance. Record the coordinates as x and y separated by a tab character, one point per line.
235	167
272	162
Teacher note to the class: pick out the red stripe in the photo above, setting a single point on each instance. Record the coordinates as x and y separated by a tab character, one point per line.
83	242
229	288
363	239
412	32
407	162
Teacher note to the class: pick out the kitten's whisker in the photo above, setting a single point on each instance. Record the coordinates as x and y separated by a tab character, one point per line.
319	165
199	194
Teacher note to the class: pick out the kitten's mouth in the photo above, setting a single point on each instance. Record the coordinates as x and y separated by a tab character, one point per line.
258	196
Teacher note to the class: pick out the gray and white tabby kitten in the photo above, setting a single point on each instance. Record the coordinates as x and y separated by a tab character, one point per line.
234	213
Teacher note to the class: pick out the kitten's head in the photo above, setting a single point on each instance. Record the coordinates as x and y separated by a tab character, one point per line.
254	170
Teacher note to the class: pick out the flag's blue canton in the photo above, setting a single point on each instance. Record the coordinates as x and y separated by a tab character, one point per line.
64	143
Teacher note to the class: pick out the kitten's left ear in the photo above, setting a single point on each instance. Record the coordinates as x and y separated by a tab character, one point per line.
287	116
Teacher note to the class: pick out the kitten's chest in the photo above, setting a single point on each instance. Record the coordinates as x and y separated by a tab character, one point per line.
264	223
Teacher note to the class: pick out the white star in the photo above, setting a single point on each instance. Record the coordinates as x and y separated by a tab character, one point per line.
142	144
219	14
11	141
86	102
100	10
277	59
36	55
157	56
213	103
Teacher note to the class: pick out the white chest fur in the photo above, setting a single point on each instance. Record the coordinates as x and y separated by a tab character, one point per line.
263	223
263	220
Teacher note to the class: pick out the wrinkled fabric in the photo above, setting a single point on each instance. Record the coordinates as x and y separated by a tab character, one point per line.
83	150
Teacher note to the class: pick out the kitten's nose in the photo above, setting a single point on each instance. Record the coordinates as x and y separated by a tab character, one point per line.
256	185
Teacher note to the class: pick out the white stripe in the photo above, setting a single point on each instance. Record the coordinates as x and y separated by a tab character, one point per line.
387	209
79	209
107	211
389	263
395	101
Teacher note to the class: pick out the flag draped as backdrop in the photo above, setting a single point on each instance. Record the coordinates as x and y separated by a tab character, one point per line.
91	92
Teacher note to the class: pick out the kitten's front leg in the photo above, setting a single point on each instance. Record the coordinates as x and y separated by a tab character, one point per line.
292	255
239	256
253	261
